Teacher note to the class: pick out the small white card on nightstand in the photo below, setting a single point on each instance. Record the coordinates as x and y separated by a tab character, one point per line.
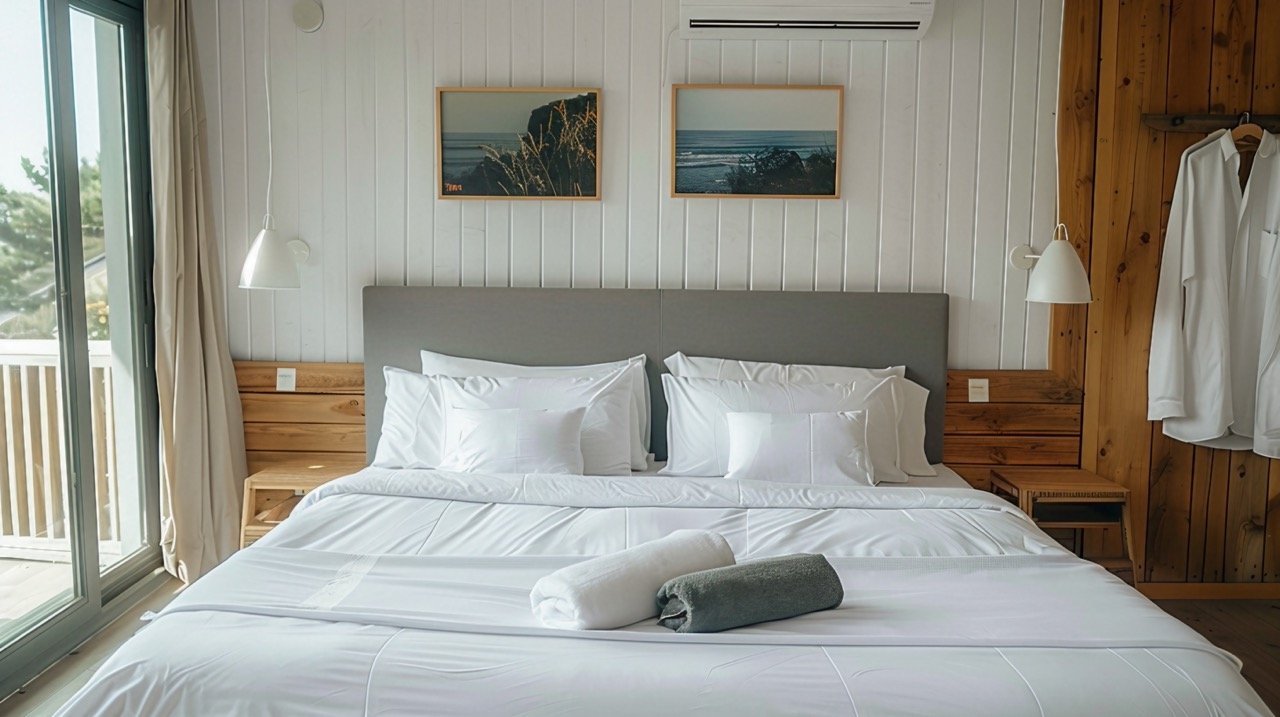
286	379
979	390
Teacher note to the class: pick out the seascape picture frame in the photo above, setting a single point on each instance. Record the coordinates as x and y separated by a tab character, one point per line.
518	143
756	141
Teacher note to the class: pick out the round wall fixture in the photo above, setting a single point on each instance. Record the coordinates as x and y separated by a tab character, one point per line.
308	15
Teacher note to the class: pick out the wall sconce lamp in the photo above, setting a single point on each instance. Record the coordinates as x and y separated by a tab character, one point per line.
1057	275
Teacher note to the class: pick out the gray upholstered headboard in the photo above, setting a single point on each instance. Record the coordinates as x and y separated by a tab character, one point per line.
571	326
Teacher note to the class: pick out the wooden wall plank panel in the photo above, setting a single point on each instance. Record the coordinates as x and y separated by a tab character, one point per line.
588	217
323	437
1044	195
391	143
257	460
420	145
982	316
281	57
310	178
962	171
1271	556
645	180
932	126
1013	418
1013	450
446	267
1169	528
616	133
800	220
302	408
260	376
1014	387
261	303
1197	532
361	194
474	73
236	226
1078	140
830	244
860	183
1234	30
1019	199
1215	531
1246	516
897	164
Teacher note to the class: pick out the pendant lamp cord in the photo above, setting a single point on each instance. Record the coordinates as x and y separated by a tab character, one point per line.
267	221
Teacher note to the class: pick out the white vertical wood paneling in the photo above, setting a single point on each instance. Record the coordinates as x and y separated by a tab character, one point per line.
947	161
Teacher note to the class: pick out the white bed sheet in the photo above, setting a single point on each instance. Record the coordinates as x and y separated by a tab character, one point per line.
223	652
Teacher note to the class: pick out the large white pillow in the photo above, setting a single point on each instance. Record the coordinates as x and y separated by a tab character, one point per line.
412	422
814	448
734	370
439	364
606	426
698	409
911	397
514	440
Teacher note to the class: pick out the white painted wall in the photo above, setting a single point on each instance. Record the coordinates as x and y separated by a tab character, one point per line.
948	161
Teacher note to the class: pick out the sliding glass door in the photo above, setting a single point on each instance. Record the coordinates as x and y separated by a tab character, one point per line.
78	510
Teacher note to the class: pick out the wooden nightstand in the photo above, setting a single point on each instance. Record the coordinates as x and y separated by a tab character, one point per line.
271	494
1069	498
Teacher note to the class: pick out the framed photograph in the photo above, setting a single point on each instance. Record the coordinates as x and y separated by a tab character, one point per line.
518	142
756	141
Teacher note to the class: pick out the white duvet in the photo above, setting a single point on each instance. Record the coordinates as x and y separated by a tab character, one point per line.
406	593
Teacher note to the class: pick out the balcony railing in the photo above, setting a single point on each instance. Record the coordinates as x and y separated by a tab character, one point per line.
33	500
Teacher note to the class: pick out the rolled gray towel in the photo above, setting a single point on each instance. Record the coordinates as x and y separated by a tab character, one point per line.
747	593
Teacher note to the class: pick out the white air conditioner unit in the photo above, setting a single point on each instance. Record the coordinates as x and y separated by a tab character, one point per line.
805	19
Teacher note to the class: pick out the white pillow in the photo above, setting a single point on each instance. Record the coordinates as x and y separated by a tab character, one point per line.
733	370
698	408
912	396
439	364
514	440
814	448
606	427
412	422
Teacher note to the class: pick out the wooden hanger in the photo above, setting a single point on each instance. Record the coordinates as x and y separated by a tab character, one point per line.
1247	132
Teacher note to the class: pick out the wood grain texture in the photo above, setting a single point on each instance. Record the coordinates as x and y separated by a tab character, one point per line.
1013	418
260	376
1015	387
302	408
1077	137
329	437
1207	513
1012	450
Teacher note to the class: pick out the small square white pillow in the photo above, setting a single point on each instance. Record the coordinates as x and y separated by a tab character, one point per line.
813	448
911	397
698	408
414	421
514	440
438	364
606	428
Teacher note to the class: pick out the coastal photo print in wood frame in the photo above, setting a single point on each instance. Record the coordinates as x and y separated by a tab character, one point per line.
756	141
518	142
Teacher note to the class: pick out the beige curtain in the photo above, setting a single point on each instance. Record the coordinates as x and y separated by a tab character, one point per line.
202	464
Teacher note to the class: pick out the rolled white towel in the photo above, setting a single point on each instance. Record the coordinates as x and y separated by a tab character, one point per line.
621	588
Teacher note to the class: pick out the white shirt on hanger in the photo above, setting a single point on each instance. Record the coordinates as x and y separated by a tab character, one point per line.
1215	345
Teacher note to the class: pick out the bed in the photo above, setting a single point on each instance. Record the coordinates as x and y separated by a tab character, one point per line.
401	591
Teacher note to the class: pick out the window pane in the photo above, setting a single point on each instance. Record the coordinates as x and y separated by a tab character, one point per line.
104	216
35	546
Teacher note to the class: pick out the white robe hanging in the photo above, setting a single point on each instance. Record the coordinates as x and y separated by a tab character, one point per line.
1214	374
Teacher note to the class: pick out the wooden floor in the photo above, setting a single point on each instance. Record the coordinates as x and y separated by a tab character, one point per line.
1248	628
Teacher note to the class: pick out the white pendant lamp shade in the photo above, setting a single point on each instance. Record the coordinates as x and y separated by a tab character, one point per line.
272	262
1057	275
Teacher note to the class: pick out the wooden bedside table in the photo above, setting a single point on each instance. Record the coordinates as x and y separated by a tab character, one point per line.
1069	498
271	494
